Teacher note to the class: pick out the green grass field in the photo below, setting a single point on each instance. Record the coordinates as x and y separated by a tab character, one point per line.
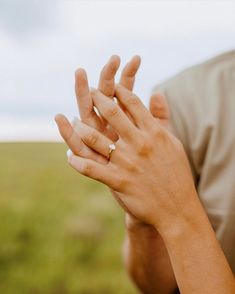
59	232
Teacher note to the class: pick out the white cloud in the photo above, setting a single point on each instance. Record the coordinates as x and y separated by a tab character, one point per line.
147	18
23	17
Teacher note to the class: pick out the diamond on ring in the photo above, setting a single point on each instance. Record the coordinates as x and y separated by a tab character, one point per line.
112	147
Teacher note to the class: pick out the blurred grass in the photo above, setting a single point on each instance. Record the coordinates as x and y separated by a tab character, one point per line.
59	232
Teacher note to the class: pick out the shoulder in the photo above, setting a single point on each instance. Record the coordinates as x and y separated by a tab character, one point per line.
195	96
197	75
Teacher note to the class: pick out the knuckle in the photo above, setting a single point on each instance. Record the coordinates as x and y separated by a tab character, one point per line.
112	111
155	130
86	169
92	138
146	120
120	183
131	166
160	133
133	100
144	147
79	148
108	88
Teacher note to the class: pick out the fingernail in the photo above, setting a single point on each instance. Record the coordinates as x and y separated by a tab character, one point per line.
69	153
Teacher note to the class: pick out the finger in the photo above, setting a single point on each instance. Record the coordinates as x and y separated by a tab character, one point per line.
159	106
127	79
74	141
87	167
106	86
92	138
107	75
113	114
84	101
134	106
107	132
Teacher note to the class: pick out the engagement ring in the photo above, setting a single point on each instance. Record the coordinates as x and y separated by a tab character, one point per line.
112	147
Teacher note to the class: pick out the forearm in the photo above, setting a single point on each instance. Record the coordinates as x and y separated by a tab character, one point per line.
147	261
197	259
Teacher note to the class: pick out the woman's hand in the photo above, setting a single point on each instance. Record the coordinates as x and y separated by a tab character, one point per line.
149	168
70	133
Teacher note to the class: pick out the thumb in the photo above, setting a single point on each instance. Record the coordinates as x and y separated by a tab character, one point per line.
159	107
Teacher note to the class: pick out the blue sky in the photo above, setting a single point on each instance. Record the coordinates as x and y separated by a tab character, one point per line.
43	42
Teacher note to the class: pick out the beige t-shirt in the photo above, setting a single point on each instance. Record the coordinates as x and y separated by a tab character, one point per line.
202	102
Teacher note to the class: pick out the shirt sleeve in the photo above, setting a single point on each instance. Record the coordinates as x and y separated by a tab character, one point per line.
194	97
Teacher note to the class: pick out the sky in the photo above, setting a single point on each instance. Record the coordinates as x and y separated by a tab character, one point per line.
43	42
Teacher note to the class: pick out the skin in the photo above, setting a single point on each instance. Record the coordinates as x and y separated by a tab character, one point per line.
140	166
143	247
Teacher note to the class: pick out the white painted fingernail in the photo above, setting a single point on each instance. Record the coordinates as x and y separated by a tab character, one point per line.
69	153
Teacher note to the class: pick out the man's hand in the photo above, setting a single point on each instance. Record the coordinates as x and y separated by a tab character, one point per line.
106	86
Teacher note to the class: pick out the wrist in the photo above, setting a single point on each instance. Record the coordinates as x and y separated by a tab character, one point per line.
191	219
137	229
132	223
